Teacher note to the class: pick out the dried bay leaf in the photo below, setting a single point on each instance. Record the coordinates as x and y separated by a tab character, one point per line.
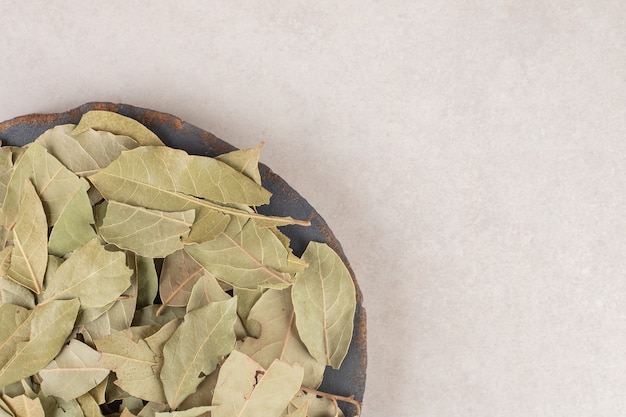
117	124
30	238
117	317
203	394
151	409
104	147
156	341
316	406
66	408
208	290
324	299
196	347
300	412
245	389
116	247
91	274
98	393
113	392
146	232
161	178
245	161
23	387
6	171
245	257
60	144
147	278
14	329
13	293
207	225
5	410
191	412
74	372
245	301
55	184
17	152
148	315
89	406
134	364
85	153
50	325
74	226
294	264
179	274
23	406
175	171
132	404
279	337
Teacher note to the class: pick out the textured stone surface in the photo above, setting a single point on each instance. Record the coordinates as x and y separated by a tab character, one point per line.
469	156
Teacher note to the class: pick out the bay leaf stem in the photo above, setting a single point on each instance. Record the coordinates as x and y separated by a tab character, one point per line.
334	397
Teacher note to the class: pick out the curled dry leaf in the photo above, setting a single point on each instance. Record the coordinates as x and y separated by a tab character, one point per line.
73	373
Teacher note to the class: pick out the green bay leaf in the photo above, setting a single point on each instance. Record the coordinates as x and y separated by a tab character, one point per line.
324	300
196	347
50	325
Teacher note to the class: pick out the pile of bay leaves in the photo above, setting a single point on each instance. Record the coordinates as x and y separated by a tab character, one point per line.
138	280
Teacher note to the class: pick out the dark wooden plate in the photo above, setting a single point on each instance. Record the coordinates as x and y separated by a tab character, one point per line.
350	379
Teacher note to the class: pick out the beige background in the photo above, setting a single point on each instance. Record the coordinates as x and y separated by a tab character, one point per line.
469	155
